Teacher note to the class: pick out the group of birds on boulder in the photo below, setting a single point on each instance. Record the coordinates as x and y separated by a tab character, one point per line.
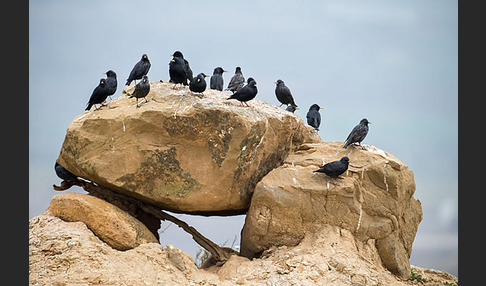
181	74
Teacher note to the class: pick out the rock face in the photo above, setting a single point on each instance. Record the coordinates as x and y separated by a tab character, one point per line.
180	152
211	156
374	202
111	224
68	253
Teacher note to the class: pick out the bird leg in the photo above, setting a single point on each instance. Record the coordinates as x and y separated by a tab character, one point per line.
137	102
246	104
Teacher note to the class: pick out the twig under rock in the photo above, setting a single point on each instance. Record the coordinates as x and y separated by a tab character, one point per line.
128	203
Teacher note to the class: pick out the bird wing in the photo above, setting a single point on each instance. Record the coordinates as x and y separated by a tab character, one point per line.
311	119
235	81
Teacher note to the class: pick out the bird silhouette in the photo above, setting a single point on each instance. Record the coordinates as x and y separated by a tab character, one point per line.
334	169
216	81
284	96
358	134
237	81
140	69
314	117
100	93
141	89
246	93
198	84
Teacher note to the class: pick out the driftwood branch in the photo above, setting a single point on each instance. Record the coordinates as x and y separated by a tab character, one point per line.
219	254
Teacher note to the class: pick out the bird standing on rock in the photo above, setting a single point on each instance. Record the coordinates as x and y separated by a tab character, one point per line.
283	94
358	133
140	69
314	117
176	72
100	93
334	169
111	82
246	93
216	81
141	89
198	84
237	81
187	68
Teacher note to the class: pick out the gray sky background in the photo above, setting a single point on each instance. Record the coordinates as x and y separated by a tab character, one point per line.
393	62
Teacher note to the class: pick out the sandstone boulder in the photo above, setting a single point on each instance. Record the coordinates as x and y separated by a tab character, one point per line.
374	201
180	152
114	226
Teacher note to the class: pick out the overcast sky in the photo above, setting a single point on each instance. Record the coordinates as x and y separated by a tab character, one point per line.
393	62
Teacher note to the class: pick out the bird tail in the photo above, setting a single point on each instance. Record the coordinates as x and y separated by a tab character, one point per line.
89	106
231	96
128	82
346	144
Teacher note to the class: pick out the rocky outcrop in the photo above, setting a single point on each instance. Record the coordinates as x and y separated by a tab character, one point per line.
181	152
209	156
374	202
68	253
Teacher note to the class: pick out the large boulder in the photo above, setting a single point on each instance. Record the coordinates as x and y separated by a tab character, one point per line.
181	152
374	200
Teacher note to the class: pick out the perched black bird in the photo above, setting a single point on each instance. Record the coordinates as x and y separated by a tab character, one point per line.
237	81
198	84
111	82
176	71
187	68
246	93
283	94
291	108
334	169
141	89
358	133
216	81
100	93
314	117
64	174
139	70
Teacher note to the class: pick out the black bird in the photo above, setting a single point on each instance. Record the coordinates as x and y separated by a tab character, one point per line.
111	82
198	84
139	70
314	117
291	108
216	81
141	89
246	93
334	169
358	133
100	93
283	94
237	81
176	71
187	68
64	174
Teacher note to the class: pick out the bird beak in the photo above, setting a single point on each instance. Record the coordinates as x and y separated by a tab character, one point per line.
321	108
225	71
275	82
104	73
173	61
171	55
